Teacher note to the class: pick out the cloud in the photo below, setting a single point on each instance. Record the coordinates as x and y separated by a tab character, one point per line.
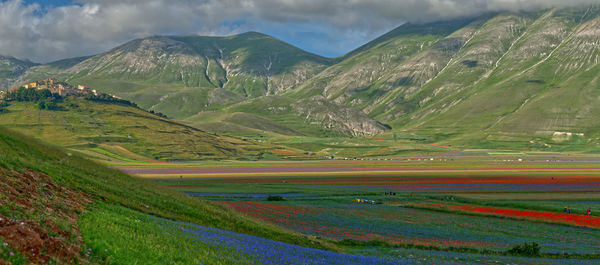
91	26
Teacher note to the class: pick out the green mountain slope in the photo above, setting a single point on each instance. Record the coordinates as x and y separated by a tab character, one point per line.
371	62
112	129
194	73
542	88
313	116
10	69
524	77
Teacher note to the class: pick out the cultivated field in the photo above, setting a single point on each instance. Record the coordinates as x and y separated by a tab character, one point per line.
461	207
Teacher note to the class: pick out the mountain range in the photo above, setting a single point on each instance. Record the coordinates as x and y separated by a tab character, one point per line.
493	80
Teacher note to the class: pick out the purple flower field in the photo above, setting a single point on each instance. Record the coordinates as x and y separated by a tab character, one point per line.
265	251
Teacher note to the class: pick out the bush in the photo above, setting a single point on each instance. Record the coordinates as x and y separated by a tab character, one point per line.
275	198
48	105
3	105
105	98
526	249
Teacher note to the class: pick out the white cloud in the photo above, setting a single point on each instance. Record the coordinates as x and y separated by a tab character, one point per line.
92	26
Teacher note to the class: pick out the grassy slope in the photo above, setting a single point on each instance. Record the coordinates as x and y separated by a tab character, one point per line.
112	234
527	98
85	125
280	110
19	153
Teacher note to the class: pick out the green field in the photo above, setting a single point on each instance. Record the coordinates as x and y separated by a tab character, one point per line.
459	204
122	132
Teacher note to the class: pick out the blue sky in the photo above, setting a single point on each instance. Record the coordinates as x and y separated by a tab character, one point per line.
50	2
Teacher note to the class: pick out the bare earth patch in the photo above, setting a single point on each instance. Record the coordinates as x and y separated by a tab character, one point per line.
43	225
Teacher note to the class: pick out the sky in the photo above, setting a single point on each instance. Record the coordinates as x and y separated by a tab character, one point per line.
48	30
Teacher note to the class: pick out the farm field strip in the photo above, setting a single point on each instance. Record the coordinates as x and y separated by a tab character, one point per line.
400	225
271	170
564	218
474	188
539	172
423	180
443	161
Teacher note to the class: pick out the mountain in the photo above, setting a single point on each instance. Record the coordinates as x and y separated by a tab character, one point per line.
184	76
526	79
194	73
540	84
10	69
509	77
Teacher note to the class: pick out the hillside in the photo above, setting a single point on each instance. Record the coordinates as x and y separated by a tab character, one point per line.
509	77
10	69
54	203
119	131
542	87
314	116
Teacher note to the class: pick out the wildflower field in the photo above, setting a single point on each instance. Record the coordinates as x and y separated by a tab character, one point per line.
448	208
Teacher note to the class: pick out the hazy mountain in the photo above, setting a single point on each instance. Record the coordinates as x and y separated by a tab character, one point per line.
10	69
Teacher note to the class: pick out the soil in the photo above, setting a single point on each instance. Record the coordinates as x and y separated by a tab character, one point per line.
41	206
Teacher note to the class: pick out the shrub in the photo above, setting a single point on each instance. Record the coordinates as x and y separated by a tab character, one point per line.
526	249
3	105
48	105
275	198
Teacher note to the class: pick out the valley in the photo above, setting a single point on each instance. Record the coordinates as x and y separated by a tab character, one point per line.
473	139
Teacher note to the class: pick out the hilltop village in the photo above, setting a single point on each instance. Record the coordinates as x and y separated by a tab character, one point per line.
49	93
61	89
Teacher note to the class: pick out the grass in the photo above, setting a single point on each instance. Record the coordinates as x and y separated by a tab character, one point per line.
11	255
110	185
122	236
111	154
86	125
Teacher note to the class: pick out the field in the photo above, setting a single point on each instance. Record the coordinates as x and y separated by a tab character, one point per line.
448	207
122	133
466	207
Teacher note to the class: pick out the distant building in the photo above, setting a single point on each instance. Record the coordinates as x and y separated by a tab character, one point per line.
84	88
31	85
